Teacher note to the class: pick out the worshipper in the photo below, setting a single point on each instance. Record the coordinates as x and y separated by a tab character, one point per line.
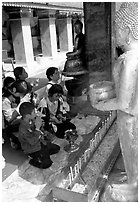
53	76
51	107
32	138
11	112
125	75
8	104
6	83
21	75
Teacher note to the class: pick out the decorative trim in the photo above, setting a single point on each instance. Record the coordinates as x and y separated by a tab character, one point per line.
41	6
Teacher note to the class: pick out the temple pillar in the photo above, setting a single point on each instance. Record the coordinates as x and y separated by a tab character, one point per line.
48	34
65	34
82	20
22	39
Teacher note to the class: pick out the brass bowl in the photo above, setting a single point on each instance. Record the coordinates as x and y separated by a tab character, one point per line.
101	91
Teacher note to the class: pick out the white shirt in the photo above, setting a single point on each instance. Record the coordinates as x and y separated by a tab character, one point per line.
7	108
52	106
26	98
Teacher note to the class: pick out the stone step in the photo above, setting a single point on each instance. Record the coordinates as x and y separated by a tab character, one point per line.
94	176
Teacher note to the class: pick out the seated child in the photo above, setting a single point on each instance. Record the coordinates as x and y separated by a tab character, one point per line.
8	102
51	106
31	138
21	75
53	76
11	111
6	83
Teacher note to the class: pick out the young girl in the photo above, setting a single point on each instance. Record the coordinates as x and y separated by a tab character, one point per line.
21	75
53	76
9	112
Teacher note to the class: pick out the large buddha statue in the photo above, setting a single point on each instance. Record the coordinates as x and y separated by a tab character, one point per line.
125	75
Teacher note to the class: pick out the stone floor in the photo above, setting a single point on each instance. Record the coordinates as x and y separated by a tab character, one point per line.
28	183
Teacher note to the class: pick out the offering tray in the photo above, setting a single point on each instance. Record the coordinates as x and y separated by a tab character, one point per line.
101	91
78	161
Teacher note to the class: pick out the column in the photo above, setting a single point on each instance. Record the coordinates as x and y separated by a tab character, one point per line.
22	39
65	34
48	35
82	20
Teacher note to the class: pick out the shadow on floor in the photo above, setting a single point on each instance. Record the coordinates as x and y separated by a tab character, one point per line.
13	158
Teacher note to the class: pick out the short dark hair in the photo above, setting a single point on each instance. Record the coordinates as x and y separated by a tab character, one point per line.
18	71
8	81
26	108
78	22
50	71
55	88
20	86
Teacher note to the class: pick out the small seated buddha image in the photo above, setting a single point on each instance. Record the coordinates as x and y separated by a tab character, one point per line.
76	59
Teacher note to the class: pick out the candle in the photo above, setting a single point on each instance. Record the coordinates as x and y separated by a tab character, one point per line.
110	116
93	143
98	135
75	169
71	173
80	163
78	168
70	178
88	152
103	129
108	124
105	125
96	139
85	156
102	132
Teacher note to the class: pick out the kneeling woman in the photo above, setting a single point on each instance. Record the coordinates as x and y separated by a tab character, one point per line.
51	107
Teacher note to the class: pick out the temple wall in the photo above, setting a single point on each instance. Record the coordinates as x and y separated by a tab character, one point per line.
99	31
97	28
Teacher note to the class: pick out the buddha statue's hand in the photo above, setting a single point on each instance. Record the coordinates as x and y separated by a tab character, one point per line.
100	105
